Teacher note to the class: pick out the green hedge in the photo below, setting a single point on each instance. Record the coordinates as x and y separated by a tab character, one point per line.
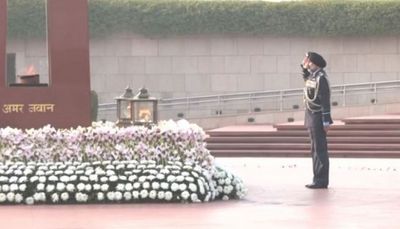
178	17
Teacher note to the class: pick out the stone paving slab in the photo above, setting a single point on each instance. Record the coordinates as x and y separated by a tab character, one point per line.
364	193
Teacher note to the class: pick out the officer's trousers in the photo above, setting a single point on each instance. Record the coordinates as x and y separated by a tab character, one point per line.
319	151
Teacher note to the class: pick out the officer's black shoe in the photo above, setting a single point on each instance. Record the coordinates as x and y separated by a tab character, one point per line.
316	186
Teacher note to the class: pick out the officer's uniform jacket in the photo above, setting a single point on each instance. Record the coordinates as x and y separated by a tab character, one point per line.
317	99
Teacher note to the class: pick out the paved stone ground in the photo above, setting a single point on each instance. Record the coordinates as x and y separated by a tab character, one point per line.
364	193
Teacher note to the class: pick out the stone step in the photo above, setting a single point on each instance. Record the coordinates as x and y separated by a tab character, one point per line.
303	132
352	137
303	153
301	139
376	126
383	119
302	146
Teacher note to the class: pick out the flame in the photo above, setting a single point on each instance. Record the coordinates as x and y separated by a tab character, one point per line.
30	70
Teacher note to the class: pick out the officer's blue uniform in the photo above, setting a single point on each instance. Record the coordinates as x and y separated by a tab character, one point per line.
317	114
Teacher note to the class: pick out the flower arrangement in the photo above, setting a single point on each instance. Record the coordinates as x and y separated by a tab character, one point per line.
107	164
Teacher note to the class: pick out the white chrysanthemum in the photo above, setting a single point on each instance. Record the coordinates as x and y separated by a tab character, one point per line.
132	178
13	179
144	193
84	178
52	167
39	197
70	187
117	196
225	197
80	172
122	177
100	196
120	187
228	181
40	173
88	187
110	173
146	185
189	179
176	172
160	176
42	179
33	179
96	187
99	171
113	178
73	178
22	187
110	196
201	187
50	188
55	197
28	171
39	187
187	167
195	174
150	177
207	198
164	171
53	178
60	186
110	167
18	198
160	195
221	181
228	189
10	197
135	195
89	172
94	177
128	187
64	179
220	189
180	178
13	187
127	196
194	198
171	178
185	174
136	185
103	179
185	195
120	166
104	187
164	185
80	187
81	197
182	187
131	166
153	194
174	187
168	195
106	162
155	185
136	170
192	187
142	179
29	200
3	179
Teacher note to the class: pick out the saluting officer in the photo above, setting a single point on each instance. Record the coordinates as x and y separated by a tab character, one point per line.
317	116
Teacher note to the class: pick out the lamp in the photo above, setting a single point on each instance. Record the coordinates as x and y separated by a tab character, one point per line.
144	108
125	108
